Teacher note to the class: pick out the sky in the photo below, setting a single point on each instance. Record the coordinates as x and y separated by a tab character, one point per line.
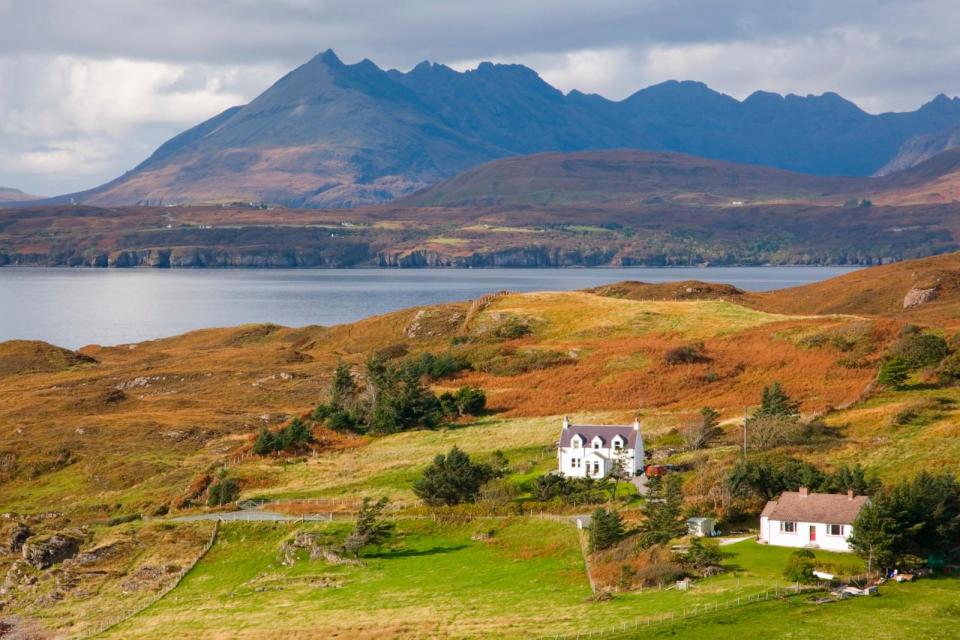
89	89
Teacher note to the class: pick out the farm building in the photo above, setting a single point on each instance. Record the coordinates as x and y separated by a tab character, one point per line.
811	520
701	527
590	451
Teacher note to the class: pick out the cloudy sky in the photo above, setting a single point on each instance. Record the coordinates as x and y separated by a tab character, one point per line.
89	88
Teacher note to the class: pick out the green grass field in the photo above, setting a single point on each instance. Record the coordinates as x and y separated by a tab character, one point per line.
435	580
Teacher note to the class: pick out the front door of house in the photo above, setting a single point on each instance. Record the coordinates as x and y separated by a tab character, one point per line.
813	533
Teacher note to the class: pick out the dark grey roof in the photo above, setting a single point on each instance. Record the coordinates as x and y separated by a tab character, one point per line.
815	507
606	432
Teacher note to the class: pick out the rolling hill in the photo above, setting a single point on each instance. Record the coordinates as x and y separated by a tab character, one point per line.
330	134
8	194
613	207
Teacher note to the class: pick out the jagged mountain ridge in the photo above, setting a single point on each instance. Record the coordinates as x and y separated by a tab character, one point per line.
330	134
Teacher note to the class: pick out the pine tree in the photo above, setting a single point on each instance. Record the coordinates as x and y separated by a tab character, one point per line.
893	372
872	537
265	443
664	512
343	389
369	529
774	401
452	479
606	529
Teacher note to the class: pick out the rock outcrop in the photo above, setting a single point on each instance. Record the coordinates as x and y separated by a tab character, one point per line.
42	552
917	297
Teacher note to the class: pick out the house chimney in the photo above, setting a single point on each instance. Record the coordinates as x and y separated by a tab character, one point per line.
803	492
566	422
636	424
849	494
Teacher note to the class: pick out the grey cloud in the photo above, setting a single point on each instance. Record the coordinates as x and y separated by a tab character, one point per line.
59	71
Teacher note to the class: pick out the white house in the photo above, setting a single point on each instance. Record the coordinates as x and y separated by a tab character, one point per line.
811	520
589	450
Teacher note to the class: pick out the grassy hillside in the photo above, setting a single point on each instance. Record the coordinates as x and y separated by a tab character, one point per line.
105	443
134	427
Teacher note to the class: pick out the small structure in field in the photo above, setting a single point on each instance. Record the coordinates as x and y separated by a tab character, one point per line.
701	527
811	520
592	451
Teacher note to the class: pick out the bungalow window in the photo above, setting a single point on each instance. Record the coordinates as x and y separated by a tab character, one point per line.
788	527
834	529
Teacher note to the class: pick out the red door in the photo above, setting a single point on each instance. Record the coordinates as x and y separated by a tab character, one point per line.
813	533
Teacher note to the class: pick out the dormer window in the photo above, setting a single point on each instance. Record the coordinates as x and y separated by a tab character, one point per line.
576	442
618	444
597	442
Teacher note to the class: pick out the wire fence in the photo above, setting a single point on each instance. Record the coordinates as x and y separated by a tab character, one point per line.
633	628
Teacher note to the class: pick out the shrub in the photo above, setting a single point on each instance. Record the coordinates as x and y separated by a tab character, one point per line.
800	567
470	401
295	435
702	556
369	529
702	431
570	490
511	329
223	491
438	367
452	479
686	354
513	362
769	432
949	370
920	350
893	372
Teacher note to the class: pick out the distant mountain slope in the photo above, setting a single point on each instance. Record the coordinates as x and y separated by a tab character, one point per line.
920	148
627	177
333	135
8	194
630	177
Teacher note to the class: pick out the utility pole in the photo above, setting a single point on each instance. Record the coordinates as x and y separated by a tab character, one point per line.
745	433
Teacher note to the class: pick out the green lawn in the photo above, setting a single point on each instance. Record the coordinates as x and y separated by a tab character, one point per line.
928	609
435	580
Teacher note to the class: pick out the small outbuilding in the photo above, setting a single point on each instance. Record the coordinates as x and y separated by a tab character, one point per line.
701	527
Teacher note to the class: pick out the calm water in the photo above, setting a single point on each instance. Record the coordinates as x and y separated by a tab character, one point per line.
74	307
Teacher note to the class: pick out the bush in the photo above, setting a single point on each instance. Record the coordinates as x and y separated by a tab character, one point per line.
513	362
771	431
949	370
452	479
295	435
570	490
921	350
893	372
223	491
511	329
438	367
702	556
686	354
800	567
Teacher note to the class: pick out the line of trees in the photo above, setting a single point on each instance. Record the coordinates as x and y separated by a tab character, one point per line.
917	518
394	397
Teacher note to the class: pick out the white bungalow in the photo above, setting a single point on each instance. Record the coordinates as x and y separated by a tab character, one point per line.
811	520
589	450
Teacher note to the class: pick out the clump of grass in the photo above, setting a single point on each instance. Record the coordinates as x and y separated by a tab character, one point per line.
513	362
921	412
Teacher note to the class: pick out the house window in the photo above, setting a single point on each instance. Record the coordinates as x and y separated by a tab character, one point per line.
596	445
576	443
575	463
834	529
596	468
788	527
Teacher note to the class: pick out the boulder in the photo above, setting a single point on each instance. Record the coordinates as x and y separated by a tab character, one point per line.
13	536
917	297
45	551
